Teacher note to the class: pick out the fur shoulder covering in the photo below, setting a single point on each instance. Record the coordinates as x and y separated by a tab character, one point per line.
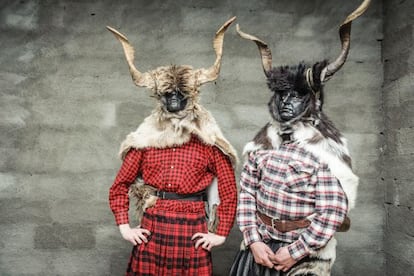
158	132
333	152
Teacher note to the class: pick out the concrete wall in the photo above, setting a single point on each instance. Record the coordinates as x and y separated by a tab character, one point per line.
397	172
67	101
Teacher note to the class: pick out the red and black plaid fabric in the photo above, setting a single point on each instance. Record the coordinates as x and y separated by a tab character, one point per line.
184	169
170	250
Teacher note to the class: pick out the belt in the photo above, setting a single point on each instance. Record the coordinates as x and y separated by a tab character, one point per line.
201	196
283	225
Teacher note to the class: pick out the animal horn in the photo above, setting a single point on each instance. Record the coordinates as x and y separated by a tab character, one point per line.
263	48
210	74
345	36
140	79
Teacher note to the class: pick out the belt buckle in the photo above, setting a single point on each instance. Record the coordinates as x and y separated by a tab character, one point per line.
273	222
160	194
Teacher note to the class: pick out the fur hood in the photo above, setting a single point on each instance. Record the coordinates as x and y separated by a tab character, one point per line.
162	130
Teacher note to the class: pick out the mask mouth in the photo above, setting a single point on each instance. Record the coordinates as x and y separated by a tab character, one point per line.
175	101
287	108
287	114
175	106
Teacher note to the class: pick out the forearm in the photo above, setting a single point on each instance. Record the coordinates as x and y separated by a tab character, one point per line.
118	193
227	191
315	237
330	212
119	203
246	218
246	208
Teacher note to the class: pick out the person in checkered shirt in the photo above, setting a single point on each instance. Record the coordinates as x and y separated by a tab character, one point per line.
171	160
297	185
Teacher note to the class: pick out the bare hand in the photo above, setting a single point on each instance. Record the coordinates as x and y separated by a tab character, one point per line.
282	259
134	235
208	241
261	253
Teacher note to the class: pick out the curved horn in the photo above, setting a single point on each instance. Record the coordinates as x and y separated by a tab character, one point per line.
140	79
345	36
263	48
210	74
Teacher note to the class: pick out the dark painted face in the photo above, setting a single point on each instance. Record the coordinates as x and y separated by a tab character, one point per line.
291	104
174	101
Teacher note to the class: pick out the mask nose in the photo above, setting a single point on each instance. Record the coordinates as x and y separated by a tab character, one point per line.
286	97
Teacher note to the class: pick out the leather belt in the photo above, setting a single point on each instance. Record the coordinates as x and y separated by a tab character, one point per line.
283	225
174	196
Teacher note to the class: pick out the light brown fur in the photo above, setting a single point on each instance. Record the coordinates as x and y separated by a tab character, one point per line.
144	196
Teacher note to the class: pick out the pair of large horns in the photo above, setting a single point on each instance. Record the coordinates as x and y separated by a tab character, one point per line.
331	68
200	75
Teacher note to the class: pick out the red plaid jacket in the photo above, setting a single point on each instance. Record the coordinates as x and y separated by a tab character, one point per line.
184	169
290	183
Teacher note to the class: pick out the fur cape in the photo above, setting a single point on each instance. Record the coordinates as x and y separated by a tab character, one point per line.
161	130
333	152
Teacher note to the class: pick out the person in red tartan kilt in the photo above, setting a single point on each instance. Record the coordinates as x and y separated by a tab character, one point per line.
175	160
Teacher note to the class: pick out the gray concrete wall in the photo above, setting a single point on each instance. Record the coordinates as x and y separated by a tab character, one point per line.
397	172
67	101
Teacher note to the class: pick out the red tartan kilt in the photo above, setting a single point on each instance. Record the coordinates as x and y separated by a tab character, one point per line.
170	250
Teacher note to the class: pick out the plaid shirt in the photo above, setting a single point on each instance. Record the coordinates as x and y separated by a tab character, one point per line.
290	183
184	169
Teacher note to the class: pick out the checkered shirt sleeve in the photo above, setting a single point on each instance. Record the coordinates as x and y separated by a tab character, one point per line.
118	193
246	209
330	208
227	189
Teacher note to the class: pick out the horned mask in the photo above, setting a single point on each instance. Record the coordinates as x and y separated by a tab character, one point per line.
306	79
182	78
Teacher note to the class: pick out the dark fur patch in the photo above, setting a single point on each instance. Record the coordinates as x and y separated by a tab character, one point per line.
347	159
315	139
262	139
327	128
288	78
285	78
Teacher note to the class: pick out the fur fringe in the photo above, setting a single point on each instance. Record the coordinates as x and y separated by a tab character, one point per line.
159	131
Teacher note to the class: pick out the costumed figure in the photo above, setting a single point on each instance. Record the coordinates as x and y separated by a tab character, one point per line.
297	185
176	158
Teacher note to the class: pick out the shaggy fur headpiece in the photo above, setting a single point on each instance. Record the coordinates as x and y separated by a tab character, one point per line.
286	78
184	78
